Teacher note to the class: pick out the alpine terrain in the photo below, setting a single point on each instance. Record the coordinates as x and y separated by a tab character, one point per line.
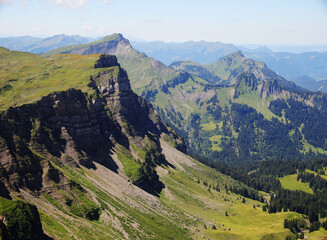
99	141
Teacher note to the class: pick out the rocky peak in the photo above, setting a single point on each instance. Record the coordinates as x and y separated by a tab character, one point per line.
106	60
117	37
112	80
237	54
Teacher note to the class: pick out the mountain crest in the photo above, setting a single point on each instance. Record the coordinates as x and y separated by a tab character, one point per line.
116	36
237	54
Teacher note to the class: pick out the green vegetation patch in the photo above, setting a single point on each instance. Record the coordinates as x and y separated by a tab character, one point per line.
131	166
255	101
290	182
208	126
22	220
216	142
53	228
82	206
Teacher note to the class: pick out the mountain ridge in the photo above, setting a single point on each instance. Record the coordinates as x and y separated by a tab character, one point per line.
187	102
41	45
289	65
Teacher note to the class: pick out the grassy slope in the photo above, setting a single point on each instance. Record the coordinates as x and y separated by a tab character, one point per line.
208	208
31	76
290	182
219	68
255	101
142	70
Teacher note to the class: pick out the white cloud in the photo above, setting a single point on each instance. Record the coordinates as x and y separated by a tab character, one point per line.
74	4
211	30
106	1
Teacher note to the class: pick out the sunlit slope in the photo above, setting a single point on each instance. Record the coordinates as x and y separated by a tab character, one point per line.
26	77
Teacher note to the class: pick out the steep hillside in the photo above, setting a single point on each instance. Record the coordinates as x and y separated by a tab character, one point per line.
48	146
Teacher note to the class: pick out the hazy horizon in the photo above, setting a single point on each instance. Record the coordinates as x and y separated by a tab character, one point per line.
275	48
287	23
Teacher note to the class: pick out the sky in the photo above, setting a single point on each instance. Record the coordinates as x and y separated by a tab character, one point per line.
274	22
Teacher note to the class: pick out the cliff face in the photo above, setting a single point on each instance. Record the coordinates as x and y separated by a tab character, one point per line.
75	129
63	125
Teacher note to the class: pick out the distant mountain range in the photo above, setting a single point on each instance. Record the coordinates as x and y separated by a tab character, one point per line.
311	84
41	45
288	65
292	65
201	52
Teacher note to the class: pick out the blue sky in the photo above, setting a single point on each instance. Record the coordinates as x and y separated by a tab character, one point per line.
290	22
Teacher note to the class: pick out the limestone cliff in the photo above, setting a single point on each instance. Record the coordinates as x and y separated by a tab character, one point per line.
74	129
